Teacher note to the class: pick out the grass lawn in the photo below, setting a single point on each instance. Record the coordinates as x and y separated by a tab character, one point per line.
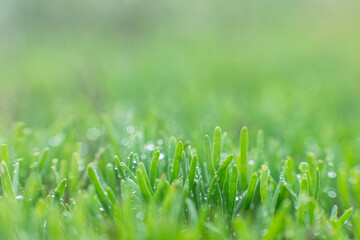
179	120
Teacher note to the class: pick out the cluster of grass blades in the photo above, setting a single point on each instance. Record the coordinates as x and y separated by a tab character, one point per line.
177	193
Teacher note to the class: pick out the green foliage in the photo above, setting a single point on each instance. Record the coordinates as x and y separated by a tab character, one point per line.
141	204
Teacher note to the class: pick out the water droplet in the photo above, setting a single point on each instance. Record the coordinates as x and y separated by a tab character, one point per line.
125	142
56	140
130	129
332	174
140	215
162	156
143	156
160	141
331	194
150	147
251	162
304	167
93	133
19	197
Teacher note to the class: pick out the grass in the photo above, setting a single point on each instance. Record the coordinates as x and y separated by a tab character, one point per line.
173	191
127	120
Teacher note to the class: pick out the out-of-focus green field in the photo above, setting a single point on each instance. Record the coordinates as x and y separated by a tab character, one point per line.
152	70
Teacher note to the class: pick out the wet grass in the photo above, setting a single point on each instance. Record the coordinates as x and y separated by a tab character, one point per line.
174	190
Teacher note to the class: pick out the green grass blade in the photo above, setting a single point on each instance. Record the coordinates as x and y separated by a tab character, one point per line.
259	147
5	155
217	147
128	173
43	158
343	219
243	157
233	187
153	168
278	223
264	186
207	151
343	188
61	187
192	170
317	184
192	213
74	173
221	171
118	168
94	179
177	162
145	176
251	190
6	181
143	186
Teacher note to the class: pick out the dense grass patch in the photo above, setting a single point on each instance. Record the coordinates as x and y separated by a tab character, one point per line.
109	113
217	187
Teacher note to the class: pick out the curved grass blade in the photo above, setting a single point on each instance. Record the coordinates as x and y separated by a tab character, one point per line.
279	222
61	187
153	168
343	219
94	179
192	213
118	168
6	181
143	186
43	158
221	171
177	162
145	176
251	190
211	188
110	175
208	158
127	171
192	170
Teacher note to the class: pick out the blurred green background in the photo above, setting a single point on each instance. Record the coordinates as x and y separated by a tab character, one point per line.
291	68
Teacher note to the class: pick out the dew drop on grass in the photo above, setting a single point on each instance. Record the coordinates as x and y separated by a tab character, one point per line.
162	156
304	167
56	140
251	162
332	174
150	147
130	129
140	216
331	194
93	133
160	141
